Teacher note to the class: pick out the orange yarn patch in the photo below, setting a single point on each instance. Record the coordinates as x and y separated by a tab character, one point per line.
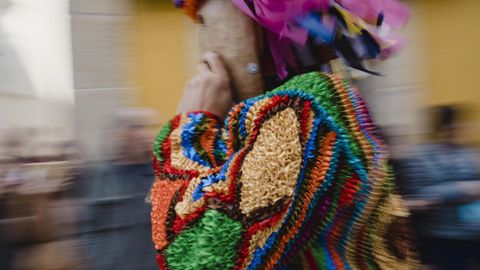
191	8
162	194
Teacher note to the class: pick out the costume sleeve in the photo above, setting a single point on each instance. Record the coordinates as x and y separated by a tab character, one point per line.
287	167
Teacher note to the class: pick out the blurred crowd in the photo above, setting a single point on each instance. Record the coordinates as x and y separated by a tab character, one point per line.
440	181
57	212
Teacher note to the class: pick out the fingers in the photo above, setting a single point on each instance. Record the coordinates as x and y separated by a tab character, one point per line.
203	68
215	64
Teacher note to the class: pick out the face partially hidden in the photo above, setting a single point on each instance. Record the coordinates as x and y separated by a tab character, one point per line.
226	31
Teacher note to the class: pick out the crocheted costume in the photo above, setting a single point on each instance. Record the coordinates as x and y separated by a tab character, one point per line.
297	178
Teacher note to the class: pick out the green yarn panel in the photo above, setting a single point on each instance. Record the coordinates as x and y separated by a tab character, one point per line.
161	136
211	243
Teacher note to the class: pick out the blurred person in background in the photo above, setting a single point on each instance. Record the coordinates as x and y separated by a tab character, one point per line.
11	176
442	182
117	229
37	216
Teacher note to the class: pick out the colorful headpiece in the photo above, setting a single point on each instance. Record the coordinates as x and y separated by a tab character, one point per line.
355	29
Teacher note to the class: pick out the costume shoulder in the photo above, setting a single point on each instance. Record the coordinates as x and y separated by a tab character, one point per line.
297	178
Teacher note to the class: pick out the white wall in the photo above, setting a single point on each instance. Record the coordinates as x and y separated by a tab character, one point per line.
36	79
102	62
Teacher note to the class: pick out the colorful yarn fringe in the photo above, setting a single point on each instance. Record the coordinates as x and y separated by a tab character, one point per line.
356	30
295	179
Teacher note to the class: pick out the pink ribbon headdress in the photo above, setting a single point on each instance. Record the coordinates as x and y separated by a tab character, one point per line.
355	29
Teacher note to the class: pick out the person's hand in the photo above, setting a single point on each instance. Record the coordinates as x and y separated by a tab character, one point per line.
209	90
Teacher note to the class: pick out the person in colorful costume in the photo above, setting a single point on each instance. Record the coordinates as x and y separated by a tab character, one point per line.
294	178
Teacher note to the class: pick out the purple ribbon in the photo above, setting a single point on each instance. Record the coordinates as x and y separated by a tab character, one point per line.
279	18
287	21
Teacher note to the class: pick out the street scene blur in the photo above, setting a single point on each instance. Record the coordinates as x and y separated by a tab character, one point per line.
86	84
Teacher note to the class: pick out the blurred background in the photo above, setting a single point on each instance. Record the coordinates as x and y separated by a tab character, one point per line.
85	84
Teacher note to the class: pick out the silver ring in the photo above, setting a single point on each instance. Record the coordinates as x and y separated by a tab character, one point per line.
252	68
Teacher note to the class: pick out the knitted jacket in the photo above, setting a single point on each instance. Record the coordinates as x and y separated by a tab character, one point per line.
297	178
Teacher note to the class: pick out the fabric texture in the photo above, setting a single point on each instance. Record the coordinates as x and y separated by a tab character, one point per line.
297	178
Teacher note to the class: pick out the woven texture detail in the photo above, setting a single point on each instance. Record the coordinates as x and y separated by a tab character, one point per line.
295	179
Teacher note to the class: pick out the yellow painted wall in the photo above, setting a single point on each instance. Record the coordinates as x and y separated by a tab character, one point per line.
165	48
453	56
161	49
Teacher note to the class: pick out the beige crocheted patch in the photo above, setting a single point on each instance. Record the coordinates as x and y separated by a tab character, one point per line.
271	168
